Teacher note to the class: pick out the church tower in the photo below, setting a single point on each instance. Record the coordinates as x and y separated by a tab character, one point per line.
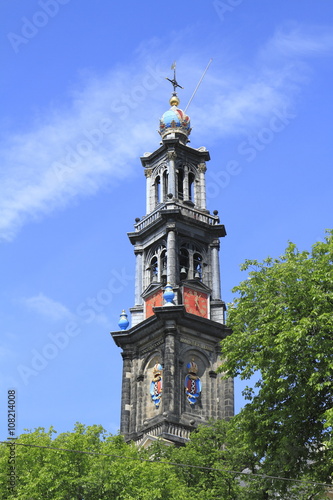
171	353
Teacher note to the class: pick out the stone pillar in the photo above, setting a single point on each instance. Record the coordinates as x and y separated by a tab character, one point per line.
179	378
126	394
172	172
172	258
133	421
149	197
169	362
229	409
140	399
197	190
138	277
215	266
202	170
213	394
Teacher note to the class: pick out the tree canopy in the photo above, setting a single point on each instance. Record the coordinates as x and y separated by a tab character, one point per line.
89	464
282	325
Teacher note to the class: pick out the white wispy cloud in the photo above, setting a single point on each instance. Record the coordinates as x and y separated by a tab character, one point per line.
293	40
96	136
47	307
243	97
75	150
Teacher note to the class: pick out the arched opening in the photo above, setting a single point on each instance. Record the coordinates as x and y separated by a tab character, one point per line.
191	178
158	189
180	184
164	267
184	263
197	266
154	269
165	184
191	262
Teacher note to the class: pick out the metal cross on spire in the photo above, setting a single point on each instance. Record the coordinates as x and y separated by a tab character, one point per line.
174	81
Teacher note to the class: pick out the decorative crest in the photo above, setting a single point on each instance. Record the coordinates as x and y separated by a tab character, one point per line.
156	385
192	383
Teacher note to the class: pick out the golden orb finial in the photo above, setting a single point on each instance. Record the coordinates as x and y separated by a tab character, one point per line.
174	101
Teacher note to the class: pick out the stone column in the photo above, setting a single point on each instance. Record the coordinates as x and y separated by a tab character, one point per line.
229	409
169	386
126	393
133	422
139	402
172	172
138	277
215	266
202	170
213	394
171	254
149	194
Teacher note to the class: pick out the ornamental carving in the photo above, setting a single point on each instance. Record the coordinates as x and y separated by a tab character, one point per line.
148	172
215	244
172	155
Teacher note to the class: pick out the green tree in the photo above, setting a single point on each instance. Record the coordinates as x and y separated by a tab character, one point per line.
86	464
44	473
282	325
208	464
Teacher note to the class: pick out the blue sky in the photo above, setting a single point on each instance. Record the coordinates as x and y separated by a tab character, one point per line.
82	90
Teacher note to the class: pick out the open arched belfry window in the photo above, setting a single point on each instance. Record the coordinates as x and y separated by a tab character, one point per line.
190	262
157	265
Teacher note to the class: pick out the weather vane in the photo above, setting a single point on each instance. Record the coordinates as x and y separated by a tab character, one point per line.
174	81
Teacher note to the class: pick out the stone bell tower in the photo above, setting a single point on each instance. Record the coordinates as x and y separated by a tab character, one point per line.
171	353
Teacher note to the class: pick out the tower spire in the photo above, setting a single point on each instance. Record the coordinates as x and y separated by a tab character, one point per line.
174	122
171	352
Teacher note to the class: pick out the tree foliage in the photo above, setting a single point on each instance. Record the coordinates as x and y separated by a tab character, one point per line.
86	464
89	464
282	325
207	464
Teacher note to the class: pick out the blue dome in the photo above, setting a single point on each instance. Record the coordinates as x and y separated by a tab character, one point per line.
170	116
175	120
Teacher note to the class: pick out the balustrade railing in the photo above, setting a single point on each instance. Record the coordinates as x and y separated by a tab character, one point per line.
194	214
147	220
171	429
